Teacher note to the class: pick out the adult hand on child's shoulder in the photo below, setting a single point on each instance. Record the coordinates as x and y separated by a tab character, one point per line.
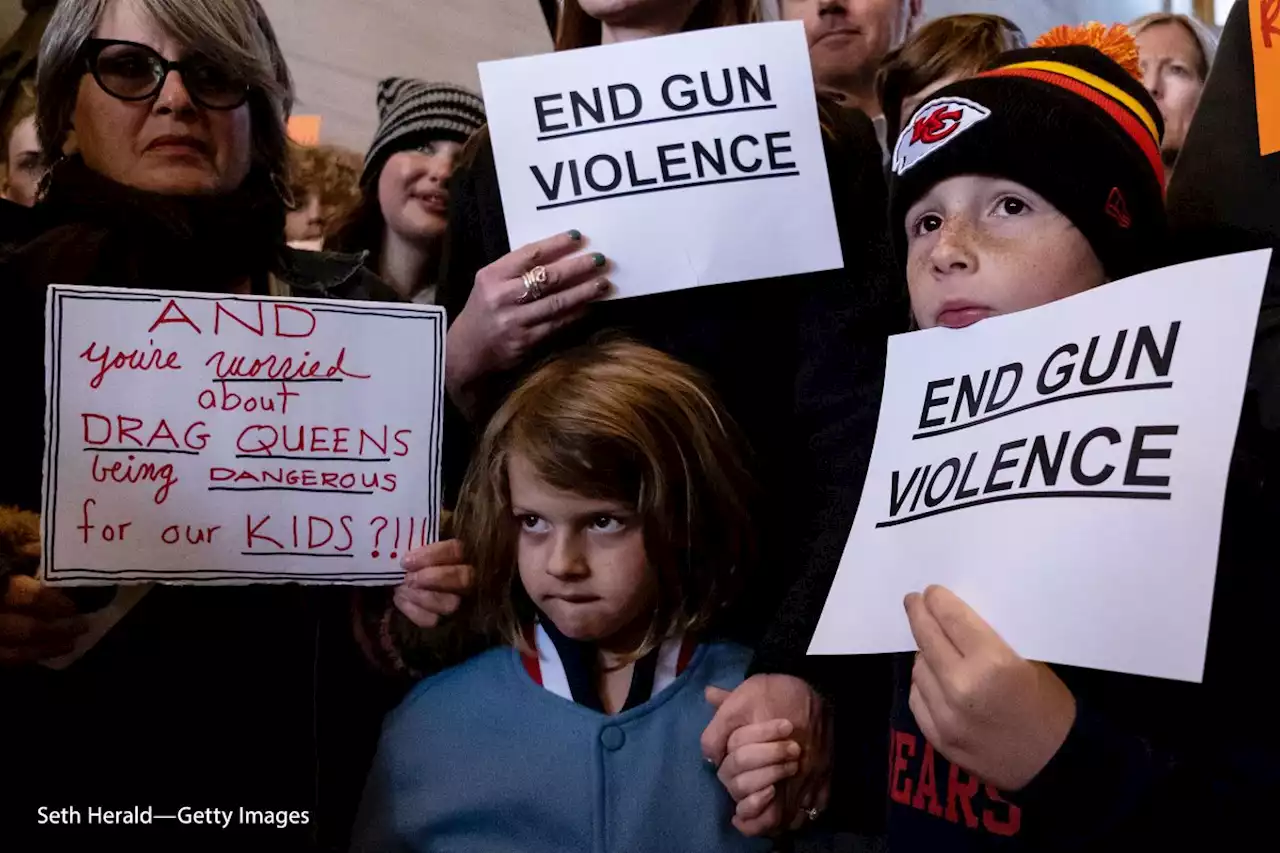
437	579
980	704
770	699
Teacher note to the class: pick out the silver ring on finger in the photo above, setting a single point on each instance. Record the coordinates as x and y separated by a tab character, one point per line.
533	281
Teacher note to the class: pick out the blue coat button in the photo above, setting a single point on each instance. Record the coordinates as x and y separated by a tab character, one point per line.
612	738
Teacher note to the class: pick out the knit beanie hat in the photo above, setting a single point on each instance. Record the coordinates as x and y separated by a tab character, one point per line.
1066	118
412	113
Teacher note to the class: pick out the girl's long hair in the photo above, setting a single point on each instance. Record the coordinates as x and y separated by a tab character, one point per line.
622	422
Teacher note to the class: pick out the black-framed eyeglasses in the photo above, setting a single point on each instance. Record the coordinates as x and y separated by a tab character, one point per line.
134	72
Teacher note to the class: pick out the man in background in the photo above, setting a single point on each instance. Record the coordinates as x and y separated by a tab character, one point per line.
848	39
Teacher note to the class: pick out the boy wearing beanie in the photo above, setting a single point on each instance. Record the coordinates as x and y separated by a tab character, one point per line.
1038	179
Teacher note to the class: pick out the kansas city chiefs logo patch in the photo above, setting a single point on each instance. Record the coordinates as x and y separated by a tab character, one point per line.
933	126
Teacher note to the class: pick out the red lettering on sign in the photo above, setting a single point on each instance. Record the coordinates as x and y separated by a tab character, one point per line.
165	318
153	359
282	367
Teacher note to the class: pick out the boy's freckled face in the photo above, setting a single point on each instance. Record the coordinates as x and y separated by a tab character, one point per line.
980	246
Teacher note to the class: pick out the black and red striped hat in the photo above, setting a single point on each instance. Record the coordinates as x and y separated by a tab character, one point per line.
1068	118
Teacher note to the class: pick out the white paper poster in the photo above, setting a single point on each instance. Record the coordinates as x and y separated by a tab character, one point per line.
1062	470
207	438
687	160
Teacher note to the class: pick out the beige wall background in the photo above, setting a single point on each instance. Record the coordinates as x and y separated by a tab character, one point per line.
339	49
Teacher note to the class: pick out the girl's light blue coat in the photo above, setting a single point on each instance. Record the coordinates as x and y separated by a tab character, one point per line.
481	758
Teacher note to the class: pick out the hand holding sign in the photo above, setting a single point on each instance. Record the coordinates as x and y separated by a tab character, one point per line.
217	438
503	320
981	705
681	149
437	579
1055	465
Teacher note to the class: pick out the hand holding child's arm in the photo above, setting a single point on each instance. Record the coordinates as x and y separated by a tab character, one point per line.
986	709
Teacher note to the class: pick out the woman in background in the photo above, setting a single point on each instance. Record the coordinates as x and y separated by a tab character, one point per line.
403	214
1176	53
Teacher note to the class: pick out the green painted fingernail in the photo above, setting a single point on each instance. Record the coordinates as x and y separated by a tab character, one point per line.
597	259
575	235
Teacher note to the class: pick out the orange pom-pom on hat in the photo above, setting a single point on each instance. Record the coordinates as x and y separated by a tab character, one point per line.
1115	41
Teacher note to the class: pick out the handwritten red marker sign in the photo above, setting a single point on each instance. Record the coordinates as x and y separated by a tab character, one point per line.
1264	22
203	438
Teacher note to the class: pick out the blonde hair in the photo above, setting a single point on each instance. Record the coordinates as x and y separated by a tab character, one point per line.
615	421
235	34
578	29
1206	40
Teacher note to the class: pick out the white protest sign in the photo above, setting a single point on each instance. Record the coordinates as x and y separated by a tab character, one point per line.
212	438
1062	470
687	160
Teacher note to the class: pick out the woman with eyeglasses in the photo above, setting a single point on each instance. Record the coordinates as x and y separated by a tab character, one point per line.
164	121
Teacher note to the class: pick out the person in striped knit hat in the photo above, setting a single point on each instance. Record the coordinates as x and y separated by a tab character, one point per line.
403	214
